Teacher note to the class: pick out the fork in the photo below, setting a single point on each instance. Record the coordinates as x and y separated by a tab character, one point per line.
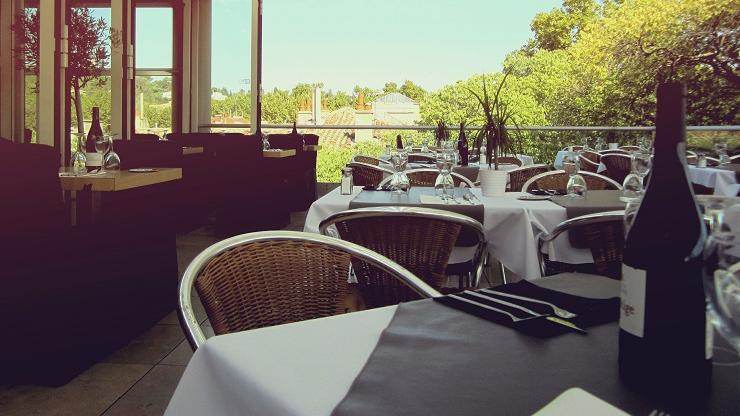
560	312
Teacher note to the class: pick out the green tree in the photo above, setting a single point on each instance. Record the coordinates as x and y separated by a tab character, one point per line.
390	87
412	91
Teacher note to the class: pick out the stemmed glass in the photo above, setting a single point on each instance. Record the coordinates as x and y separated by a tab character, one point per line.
425	145
576	186
265	141
111	161
722	276
721	149
399	181
78	161
641	162
444	185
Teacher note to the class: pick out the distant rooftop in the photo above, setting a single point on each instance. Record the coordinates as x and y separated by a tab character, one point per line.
395	98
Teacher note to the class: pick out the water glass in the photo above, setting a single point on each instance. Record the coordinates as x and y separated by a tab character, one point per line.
425	146
721	150
265	141
111	161
722	278
78	161
444	185
102	146
641	162
399	181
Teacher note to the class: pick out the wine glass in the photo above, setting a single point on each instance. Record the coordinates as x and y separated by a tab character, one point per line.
399	183
265	141
641	162
722	277
576	186
444	185
645	143
721	149
425	145
78	161
102	145
111	162
631	187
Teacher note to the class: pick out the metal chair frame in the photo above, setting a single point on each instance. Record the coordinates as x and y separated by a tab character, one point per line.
186	314
582	173
545	237
479	259
463	180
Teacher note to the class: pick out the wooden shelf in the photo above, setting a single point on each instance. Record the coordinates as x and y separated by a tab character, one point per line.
117	180
278	153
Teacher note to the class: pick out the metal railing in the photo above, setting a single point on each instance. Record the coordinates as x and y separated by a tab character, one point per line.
432	128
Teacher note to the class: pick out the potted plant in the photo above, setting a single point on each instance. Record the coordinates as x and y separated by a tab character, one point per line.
495	135
441	134
611	140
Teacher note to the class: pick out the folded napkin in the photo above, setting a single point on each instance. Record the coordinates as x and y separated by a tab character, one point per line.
590	311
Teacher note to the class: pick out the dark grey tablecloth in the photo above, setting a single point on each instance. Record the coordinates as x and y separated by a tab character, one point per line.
594	201
367	199
435	360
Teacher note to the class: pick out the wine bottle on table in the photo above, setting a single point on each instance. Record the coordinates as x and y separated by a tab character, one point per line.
94	159
462	146
665	338
399	142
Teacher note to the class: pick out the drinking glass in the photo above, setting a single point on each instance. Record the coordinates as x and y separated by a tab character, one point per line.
600	144
631	187
645	143
584	143
721	149
399	181
444	185
78	161
701	160
630	212
641	162
111	161
576	186
387	150
265	141
425	146
722	278
102	145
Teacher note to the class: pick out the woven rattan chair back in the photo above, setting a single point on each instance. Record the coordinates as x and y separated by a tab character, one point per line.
419	239
617	166
558	180
602	234
588	165
509	160
421	158
270	278
518	176
613	151
592	156
427	177
368	175
368	160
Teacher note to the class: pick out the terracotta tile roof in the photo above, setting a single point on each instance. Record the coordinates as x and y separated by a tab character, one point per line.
340	117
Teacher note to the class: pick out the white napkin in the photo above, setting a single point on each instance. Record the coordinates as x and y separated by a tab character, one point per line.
576	401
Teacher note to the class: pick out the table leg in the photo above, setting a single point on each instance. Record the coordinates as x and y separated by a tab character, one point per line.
95	211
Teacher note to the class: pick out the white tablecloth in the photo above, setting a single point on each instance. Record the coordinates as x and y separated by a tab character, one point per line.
510	227
304	368
724	182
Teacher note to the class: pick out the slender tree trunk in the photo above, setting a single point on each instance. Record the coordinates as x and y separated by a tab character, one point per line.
78	107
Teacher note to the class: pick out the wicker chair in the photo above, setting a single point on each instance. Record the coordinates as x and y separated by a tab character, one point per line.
369	160
518	176
421	158
558	180
427	177
276	277
368	175
588	165
420	239
509	160
735	159
617	166
602	233
613	151
592	156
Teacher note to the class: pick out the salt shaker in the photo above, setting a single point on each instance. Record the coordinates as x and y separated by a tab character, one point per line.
346	185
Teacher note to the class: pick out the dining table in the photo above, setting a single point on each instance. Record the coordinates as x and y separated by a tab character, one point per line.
723	179
108	181
426	358
511	226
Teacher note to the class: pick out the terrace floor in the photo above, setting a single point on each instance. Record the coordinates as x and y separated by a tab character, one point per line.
138	379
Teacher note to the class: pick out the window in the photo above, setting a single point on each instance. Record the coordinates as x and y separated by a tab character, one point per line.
154	69
231	47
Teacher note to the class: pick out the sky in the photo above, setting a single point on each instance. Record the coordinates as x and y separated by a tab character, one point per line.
344	43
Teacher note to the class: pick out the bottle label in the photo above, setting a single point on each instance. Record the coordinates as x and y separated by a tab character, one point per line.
632	307
93	159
